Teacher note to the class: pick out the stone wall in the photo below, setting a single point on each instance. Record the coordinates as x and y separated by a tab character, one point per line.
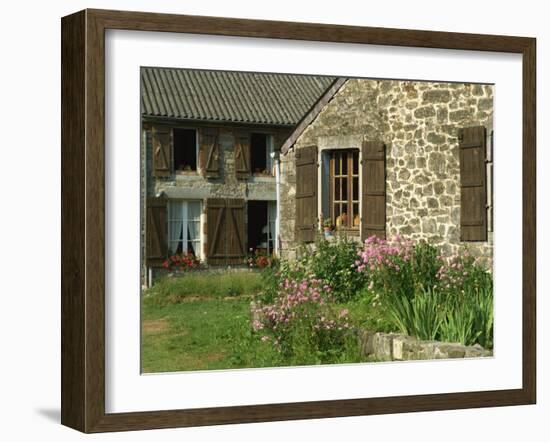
419	122
399	347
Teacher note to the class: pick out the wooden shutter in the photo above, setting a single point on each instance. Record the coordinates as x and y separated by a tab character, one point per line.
242	154
226	231
209	152
373	201
236	240
162	151
156	231
473	184
306	193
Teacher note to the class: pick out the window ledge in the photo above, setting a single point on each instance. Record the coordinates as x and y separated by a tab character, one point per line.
262	178
188	176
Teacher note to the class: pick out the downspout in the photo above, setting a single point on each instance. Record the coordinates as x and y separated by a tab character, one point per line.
276	158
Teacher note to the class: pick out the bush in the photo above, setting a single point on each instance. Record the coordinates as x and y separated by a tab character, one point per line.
302	326
334	264
428	296
416	315
468	318
399	266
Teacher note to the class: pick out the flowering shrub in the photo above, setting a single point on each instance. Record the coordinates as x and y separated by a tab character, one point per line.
334	264
184	261
258	259
461	272
301	323
426	294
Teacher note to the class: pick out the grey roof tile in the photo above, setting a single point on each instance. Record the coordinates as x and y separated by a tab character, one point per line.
239	97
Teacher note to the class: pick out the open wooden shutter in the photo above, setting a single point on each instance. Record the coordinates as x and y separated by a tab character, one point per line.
226	232
306	193
162	150
373	201
242	154
209	152
156	231
473	184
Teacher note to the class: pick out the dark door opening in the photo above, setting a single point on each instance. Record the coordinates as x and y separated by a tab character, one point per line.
257	225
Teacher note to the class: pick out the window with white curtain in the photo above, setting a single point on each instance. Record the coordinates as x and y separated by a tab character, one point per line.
184	227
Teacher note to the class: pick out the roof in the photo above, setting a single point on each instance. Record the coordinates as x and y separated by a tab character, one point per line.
237	97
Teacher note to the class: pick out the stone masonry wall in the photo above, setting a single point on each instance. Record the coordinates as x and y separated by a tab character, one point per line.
419	122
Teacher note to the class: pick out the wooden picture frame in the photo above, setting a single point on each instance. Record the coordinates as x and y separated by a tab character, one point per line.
83	220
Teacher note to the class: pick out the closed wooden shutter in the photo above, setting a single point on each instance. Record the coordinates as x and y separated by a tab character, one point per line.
156	231
473	184
242	154
226	231
306	193
162	150
209	152
373	201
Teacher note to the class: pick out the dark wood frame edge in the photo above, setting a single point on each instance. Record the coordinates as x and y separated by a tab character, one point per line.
83	214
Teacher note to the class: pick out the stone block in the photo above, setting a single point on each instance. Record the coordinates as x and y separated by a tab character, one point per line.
436	96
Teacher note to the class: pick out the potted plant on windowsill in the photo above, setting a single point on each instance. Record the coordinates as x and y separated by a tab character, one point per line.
327	227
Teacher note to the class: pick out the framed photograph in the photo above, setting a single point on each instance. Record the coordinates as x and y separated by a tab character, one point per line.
269	220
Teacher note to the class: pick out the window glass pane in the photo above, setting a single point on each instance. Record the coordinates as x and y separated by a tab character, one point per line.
194	210
336	189
344	189
344	215
356	217
344	163
337	164
355	162
355	195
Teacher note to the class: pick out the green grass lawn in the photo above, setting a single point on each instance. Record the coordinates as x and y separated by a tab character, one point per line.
194	335
202	322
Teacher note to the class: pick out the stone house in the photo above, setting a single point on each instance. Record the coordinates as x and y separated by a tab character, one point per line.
209	172
384	157
235	161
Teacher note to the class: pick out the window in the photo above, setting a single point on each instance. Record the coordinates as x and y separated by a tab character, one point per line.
184	227
261	225
185	150
261	147
344	189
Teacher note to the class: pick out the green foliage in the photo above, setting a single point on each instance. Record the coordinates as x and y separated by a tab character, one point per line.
175	289
334	264
417	315
468	317
301	324
424	266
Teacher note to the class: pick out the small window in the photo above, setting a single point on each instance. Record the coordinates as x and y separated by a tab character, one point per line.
261	147
184	227
185	150
344	189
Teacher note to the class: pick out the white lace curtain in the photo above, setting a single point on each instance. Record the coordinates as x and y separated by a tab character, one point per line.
184	226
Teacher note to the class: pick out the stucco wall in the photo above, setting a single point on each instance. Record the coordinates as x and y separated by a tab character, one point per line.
418	121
